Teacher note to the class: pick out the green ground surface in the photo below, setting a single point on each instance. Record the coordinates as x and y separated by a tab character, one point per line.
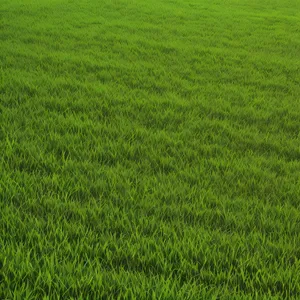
149	149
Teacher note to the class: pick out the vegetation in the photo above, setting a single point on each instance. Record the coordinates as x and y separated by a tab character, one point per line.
149	149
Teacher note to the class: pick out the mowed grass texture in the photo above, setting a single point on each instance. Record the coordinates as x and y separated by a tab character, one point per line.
150	149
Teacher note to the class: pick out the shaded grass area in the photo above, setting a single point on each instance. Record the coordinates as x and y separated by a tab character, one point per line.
149	150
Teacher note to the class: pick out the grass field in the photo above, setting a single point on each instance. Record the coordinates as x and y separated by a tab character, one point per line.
149	149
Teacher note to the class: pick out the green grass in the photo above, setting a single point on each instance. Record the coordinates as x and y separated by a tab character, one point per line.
149	149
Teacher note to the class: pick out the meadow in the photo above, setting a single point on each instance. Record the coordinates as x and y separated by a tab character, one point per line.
149	149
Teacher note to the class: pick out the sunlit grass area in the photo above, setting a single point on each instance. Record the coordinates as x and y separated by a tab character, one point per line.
149	149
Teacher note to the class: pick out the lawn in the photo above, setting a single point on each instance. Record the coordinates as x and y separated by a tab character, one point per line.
149	149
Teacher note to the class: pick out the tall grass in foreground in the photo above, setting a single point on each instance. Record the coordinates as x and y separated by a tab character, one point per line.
149	149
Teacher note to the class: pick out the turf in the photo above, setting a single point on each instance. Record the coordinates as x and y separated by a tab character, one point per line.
150	149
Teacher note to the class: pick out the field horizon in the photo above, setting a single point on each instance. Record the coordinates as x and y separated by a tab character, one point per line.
149	150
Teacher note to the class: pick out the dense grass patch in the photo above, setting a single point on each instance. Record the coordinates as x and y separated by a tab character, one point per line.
149	149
